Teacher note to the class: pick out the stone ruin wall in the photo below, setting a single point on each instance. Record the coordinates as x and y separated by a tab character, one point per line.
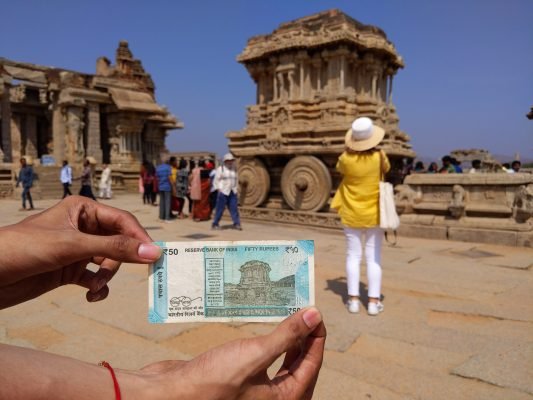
51	114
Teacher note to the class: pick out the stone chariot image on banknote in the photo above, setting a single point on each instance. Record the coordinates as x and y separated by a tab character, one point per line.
227	281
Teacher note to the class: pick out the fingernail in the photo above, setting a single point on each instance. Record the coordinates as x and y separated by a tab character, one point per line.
95	297
101	284
149	251
312	318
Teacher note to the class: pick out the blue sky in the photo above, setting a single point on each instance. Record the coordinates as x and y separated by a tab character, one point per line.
468	80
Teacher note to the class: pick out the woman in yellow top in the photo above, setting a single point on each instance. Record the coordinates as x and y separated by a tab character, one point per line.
357	202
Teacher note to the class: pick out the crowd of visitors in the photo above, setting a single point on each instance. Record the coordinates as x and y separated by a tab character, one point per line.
207	189
451	165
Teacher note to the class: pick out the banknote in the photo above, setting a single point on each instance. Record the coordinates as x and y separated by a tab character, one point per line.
252	281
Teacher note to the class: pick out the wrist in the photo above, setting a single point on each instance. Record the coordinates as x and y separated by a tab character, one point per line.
134	385
140	385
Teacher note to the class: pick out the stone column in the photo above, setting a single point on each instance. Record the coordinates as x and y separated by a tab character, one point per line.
6	122
75	126
275	83
15	138
319	76
94	147
58	134
290	75
374	84
342	67
31	136
301	79
259	90
307	82
390	90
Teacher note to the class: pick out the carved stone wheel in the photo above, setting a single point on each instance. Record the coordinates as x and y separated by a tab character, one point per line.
254	182
306	183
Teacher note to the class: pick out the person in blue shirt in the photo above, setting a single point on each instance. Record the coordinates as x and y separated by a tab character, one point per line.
457	165
163	173
26	178
66	178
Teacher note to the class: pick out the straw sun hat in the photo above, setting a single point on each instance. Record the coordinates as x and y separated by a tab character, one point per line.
363	135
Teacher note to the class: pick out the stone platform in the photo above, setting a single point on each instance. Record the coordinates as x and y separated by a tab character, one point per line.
458	320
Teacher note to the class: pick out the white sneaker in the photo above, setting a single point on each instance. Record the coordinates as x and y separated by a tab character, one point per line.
375	308
353	306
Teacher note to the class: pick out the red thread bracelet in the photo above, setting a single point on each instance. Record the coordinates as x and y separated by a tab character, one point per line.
115	382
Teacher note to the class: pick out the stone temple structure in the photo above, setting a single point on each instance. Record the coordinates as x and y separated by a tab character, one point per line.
51	114
314	76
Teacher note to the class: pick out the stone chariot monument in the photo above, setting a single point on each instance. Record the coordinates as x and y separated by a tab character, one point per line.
314	76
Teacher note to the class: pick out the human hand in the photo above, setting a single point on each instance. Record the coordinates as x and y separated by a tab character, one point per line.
54	247
238	370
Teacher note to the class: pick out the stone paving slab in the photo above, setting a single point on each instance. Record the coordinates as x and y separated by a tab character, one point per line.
493	367
457	322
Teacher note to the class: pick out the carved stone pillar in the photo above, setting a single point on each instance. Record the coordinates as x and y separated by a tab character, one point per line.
318	65
275	83
290	91
282	90
75	125
389	101
16	139
31	136
59	134
374	84
330	84
261	89
301	80
94	147
6	121
307	80
342	73
125	140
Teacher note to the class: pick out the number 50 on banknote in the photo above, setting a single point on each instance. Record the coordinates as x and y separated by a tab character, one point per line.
252	281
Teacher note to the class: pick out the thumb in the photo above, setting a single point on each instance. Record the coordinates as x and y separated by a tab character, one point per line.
289	334
121	248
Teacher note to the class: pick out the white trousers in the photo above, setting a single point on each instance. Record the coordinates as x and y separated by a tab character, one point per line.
354	255
105	192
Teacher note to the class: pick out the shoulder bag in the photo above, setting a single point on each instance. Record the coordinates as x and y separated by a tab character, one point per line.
388	217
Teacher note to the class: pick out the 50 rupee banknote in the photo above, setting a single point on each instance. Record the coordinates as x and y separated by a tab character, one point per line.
252	281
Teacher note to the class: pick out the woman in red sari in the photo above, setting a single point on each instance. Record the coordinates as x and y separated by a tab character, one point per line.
199	191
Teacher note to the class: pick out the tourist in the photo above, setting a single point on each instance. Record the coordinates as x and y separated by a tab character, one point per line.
408	167
226	181
200	188
476	167
506	167
357	202
419	167
147	179
163	174
195	188
86	181
447	167
26	178
457	165
433	168
192	166
182	186
105	182
76	232
212	190
65	176
515	166
174	202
